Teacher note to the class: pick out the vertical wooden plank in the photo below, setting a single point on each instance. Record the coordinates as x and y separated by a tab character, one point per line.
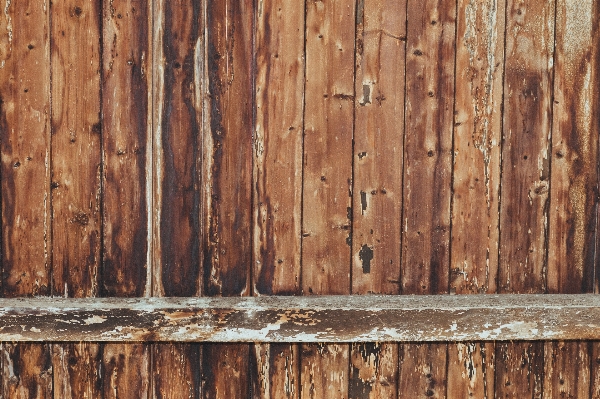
77	370
573	183
177	67
227	181
327	187
427	180
76	171
277	176
595	370
476	181
126	147
525	174
377	185
25	183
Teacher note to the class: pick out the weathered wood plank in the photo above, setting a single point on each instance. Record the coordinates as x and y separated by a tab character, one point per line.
377	189
127	171
567	369
529	56
227	181
327	186
279	106
177	122
427	179
476	180
25	184
75	41
303	319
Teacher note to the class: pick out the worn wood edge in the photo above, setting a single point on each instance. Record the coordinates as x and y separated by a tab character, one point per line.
343	318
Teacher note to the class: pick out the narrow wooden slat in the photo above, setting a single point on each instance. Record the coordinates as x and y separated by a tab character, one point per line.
327	185
177	121
25	183
427	179
277	174
377	188
76	173
227	181
525	180
476	180
127	157
567	369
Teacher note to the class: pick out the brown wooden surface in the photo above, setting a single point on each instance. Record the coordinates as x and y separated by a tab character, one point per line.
25	122
177	123
143	157
227	181
377	191
126	146
525	180
327	185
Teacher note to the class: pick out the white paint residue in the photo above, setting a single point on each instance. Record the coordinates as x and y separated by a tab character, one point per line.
95	320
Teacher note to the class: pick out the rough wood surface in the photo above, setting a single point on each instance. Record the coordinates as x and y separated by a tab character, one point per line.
227	181
25	183
303	319
177	121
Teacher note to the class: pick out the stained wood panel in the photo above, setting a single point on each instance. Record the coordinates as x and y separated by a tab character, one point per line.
327	186
25	184
227	181
427	180
377	191
476	180
177	122
525	180
127	163
277	175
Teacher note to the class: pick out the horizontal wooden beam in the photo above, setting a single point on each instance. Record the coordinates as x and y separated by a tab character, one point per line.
303	319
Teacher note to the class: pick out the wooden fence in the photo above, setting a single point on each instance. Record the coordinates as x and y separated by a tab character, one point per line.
233	148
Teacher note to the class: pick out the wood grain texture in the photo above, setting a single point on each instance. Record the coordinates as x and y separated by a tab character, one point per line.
177	122
126	146
567	369
277	176
127	157
327	187
25	184
477	139
77	370
327	213
377	190
529	56
427	179
278	147
227	181
75	40
476	180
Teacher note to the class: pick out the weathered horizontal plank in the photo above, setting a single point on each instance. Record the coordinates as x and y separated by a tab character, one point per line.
303	319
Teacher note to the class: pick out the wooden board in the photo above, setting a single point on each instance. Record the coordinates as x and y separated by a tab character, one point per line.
127	171
525	180
227	181
377	191
327	186
25	184
177	123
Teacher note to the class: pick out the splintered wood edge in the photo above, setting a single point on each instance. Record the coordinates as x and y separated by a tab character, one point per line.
343	318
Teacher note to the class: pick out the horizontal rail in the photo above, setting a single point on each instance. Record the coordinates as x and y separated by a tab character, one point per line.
303	319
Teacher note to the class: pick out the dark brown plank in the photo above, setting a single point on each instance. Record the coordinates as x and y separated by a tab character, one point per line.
75	370
126	147
476	180
525	174
279	107
177	87
567	369
427	179
377	188
25	183
227	181
327	186
76	172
